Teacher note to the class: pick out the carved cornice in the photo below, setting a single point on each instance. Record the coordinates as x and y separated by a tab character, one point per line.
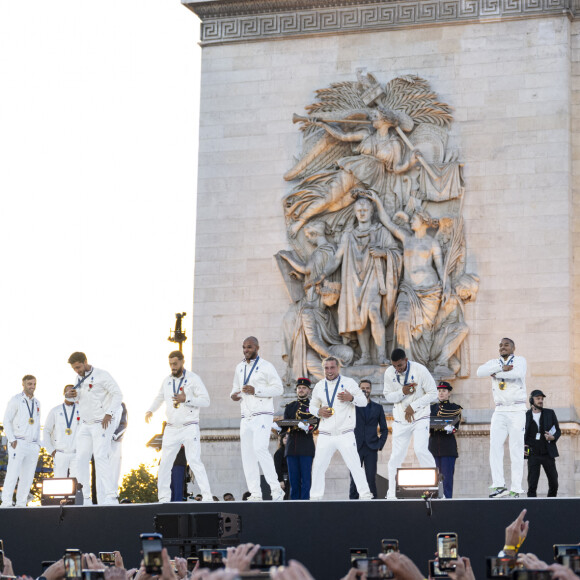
225	21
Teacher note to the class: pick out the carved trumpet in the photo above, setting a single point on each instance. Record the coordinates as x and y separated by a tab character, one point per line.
299	118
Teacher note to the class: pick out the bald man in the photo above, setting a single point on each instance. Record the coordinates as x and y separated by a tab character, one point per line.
256	382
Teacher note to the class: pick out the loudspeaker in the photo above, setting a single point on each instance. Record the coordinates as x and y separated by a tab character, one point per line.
198	526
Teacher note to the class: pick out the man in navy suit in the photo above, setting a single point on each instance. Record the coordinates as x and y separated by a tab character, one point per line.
368	442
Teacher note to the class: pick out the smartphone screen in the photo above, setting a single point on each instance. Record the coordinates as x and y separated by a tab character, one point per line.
435	572
151	545
389	546
357	553
374	568
499	567
268	556
93	575
447	546
107	558
73	564
212	559
566	550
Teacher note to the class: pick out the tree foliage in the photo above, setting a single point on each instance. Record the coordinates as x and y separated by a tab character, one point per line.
139	486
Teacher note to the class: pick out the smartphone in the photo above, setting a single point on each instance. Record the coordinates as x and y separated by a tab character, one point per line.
212	559
446	549
389	546
1	560
357	553
93	575
107	558
566	550
151	546
374	568
571	561
499	567
2	545
46	563
268	556
520	574
191	562
73	567
434	571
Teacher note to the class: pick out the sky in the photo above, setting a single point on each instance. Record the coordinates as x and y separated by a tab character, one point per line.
99	106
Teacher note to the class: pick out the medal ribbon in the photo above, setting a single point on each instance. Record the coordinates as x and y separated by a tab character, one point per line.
504	363
72	415
179	385
406	374
329	400
81	381
30	407
253	367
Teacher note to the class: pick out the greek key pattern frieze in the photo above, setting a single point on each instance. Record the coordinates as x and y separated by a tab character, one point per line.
219	27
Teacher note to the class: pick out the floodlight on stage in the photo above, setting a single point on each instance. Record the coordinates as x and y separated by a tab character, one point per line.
58	491
415	482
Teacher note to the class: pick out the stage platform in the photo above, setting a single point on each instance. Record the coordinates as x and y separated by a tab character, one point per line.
319	534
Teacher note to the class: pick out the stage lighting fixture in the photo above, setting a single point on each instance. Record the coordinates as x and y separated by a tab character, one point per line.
417	482
58	491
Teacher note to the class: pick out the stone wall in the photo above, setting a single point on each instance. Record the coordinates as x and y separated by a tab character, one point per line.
514	88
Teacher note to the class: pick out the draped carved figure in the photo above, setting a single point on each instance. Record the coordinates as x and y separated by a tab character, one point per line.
377	177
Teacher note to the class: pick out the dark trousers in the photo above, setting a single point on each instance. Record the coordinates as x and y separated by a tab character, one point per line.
300	475
446	467
549	465
177	482
368	460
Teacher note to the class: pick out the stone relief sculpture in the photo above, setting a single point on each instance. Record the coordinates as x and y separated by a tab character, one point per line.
374	218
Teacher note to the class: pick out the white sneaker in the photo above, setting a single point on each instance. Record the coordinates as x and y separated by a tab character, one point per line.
206	498
365	496
255	498
278	496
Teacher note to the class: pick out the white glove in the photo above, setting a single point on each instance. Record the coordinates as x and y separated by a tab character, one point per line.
277	428
303	426
449	429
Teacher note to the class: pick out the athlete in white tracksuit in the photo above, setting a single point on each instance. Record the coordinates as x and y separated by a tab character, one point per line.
22	429
99	398
183	393
334	400
255	383
410	386
60	436
508	385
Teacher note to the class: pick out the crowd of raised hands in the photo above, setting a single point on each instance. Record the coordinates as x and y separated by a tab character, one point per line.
238	561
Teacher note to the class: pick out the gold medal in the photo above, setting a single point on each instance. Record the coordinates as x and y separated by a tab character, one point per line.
502	385
175	405
31	421
68	431
331	409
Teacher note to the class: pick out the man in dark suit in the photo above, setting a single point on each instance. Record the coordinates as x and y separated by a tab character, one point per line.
368	442
542	432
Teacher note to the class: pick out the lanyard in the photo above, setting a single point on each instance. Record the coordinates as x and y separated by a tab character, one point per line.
503	363
81	381
253	367
180	382
329	400
406	375
72	415
30	407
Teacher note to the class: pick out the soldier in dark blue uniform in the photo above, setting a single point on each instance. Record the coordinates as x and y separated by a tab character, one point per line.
442	443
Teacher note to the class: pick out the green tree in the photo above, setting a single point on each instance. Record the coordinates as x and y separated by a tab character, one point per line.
139	486
43	470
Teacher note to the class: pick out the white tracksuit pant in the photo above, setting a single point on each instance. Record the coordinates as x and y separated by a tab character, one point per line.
325	449
21	467
254	441
92	439
65	464
507	424
173	438
115	459
402	433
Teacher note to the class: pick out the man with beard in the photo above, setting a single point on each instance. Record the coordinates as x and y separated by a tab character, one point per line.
183	393
369	420
542	432
300	446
